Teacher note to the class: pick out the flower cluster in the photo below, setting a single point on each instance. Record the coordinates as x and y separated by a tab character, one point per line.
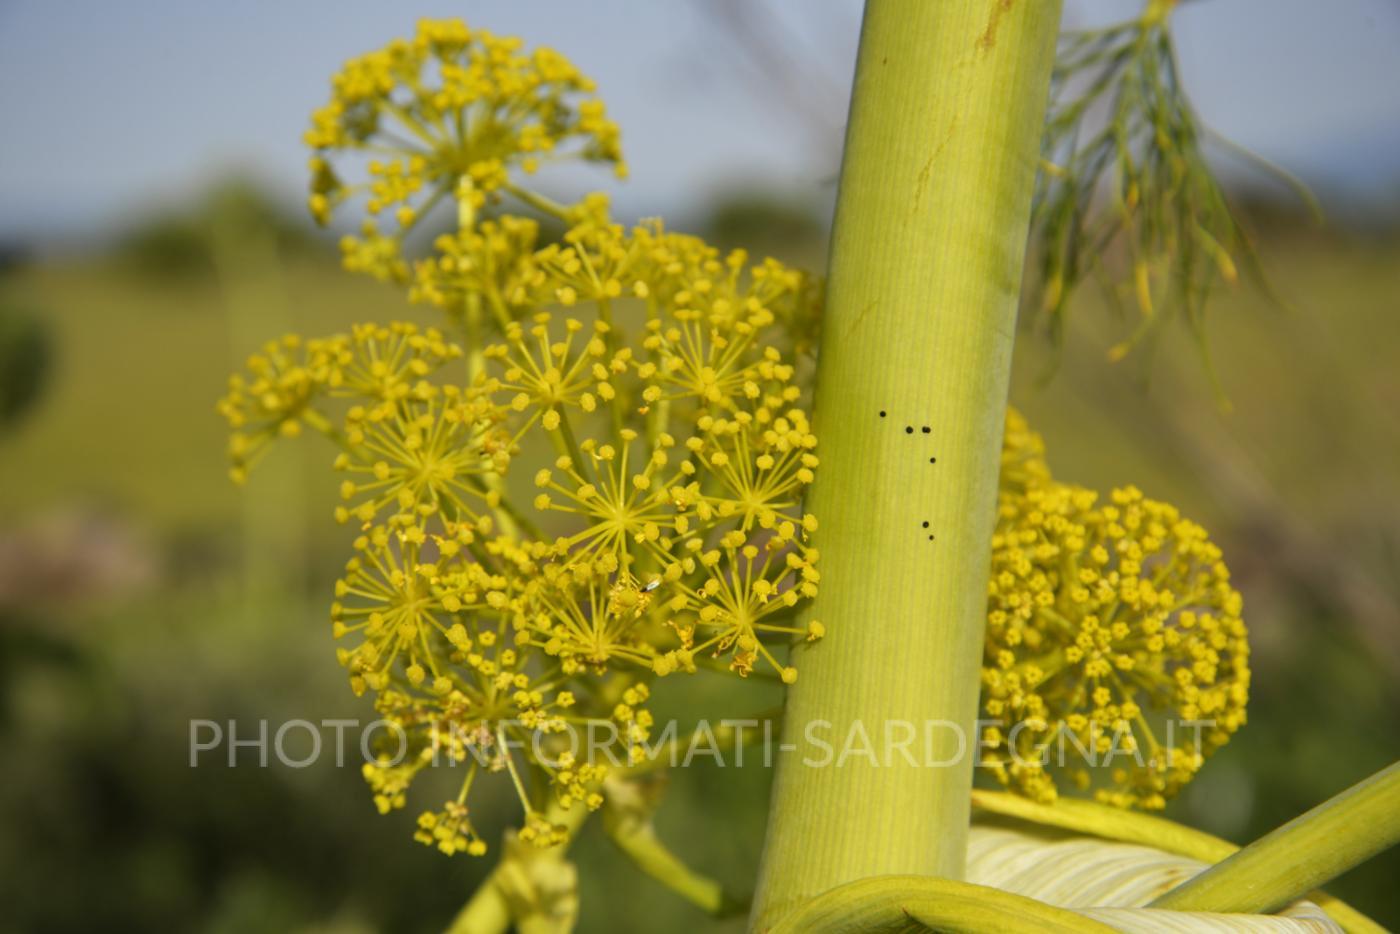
482	268
1023	465
444	117
502	601
1114	638
274	398
682	454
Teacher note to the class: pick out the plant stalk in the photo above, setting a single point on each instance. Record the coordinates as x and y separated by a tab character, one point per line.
1304	853
1111	823
637	839
927	250
489	910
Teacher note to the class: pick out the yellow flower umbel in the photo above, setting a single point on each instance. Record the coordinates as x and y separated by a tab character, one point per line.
406	442
667	534
743	599
668	530
757	462
588	617
625	502
543	372
278	395
391	597
1114	638
682	450
487	266
443	621
1022	456
445	117
435	448
390	361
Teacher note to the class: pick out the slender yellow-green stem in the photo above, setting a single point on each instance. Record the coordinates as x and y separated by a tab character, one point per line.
638	840
926	257
1304	853
489	909
904	903
487	912
539	202
471	303
1110	823
1158	10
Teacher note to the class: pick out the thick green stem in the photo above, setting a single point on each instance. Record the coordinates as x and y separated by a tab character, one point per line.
926	258
1304	853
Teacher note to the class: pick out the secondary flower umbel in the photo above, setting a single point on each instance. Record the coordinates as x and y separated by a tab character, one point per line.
1105	621
445	117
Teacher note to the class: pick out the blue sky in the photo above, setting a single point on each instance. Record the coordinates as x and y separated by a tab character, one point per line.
112	108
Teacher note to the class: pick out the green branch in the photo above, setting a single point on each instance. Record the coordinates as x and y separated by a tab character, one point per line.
1111	823
637	839
1304	853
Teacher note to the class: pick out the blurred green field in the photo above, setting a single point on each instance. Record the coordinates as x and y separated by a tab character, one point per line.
1299	483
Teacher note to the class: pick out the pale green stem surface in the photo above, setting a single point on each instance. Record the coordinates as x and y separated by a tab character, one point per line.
926	259
1304	853
905	903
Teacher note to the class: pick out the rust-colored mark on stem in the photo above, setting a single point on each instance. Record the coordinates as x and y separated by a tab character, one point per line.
926	172
989	35
861	318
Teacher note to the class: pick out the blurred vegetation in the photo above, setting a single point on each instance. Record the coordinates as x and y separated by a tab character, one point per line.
177	243
24	360
764	223
139	589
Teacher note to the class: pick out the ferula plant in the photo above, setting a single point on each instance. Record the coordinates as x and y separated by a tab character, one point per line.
599	471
